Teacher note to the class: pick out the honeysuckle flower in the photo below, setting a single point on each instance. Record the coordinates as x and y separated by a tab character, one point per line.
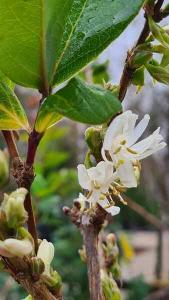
12	247
46	253
96	180
13	206
122	148
104	203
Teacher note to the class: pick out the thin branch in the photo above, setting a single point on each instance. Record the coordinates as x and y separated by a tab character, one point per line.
10	141
31	220
144	213
127	74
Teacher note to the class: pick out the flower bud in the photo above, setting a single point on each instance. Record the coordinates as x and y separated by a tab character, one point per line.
138	77
141	58
116	271
161	74
53	281
110	288
94	140
13	206
37	265
46	254
4	168
13	247
159	33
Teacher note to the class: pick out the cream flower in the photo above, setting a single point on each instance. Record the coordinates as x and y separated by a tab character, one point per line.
13	247
104	203
121	147
46	252
96	179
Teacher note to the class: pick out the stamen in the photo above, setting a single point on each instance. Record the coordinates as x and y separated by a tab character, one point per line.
131	151
122	200
117	150
123	142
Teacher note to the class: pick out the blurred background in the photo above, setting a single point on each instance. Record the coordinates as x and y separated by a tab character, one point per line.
141	227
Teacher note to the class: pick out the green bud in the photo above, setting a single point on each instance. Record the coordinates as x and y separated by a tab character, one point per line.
158	32
110	288
94	140
53	281
141	58
138	77
116	271
161	74
4	168
37	265
13	206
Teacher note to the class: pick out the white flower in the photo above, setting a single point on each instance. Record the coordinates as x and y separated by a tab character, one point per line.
13	247
121	147
96	180
46	252
104	203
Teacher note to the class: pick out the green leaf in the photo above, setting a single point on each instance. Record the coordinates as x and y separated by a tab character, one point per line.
80	102
39	38
99	23
12	114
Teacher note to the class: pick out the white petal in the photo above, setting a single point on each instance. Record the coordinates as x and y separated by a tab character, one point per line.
102	173
46	252
18	247
138	130
113	210
115	128
152	151
129	122
127	175
83	177
104	203
146	143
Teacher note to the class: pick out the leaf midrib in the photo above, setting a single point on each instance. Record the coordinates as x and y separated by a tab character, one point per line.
67	44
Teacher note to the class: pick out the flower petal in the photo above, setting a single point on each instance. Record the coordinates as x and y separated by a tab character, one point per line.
18	247
46	252
113	210
83	177
138	130
127	175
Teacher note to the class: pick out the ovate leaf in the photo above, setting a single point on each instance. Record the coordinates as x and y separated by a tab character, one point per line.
12	114
43	42
80	102
99	23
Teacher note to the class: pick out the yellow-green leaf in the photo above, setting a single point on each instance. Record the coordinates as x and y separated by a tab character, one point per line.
12	114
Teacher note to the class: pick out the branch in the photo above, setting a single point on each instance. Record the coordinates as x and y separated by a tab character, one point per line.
10	141
144	213
127	74
90	238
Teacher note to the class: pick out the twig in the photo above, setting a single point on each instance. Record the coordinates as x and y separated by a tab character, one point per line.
128	72
144	213
10	141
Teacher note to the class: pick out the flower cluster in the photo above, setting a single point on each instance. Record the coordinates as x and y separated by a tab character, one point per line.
120	165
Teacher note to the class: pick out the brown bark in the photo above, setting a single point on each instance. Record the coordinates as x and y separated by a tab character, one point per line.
90	236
